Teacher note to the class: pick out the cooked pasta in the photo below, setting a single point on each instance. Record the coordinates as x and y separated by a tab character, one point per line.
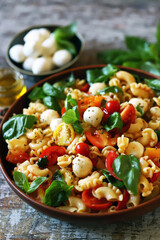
97	146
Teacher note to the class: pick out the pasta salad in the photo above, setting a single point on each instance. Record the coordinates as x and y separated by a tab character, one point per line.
88	145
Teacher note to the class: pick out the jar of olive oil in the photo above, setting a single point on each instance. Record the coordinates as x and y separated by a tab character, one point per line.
11	87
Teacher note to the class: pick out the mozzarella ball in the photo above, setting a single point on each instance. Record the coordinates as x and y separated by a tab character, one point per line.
139	101
61	57
44	33
33	49
48	115
28	63
16	53
55	122
82	166
49	45
93	116
42	64
32	36
96	87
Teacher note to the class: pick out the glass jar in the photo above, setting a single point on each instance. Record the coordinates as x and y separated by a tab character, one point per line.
11	87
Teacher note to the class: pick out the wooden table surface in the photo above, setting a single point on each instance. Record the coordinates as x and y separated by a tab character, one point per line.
103	25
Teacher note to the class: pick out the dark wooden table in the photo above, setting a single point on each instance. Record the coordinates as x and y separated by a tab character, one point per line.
103	25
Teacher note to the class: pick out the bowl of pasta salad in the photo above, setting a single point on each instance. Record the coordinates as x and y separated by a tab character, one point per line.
84	144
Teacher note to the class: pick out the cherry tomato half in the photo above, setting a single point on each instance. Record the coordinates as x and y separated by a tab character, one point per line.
94	203
122	204
63	110
52	153
101	138
109	161
112	106
128	116
83	149
154	177
15	156
85	87
105	115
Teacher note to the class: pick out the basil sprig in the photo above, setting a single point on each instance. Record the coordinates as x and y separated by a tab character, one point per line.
114	121
127	168
21	182
58	192
17	125
100	75
140	110
113	89
115	182
71	116
153	83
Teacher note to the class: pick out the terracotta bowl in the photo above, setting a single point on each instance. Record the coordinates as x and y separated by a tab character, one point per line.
7	168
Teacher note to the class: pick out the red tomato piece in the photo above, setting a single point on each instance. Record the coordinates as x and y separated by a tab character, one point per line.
94	203
52	153
109	161
122	204
15	156
128	116
101	138
90	101
85	87
154	177
83	149
63	110
105	115
112	106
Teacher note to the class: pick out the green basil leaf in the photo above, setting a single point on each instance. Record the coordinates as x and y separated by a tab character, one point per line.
57	193
52	103
69	117
17	125
35	184
49	90
78	127
113	89
69	82
109	56
58	176
112	180
158	134
36	93
21	181
137	77
66	32
75	108
140	110
70	102
127	168
151	67
133	64
114	121
153	83
134	43
42	162
64	44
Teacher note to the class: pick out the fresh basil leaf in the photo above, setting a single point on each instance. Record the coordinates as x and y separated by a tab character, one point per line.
17	125
42	162
151	67
137	77
153	83
114	121
64	44
66	32
35	184
109	70
49	90
58	176
140	110
52	103
36	93
57	193
134	43
133	64
75	108
78	127
113	89
127	168
70	102
21	181
158	134
69	82
69	117
112	180
109	56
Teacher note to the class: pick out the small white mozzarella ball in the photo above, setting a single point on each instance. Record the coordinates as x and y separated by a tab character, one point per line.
96	87
82	166
54	123
32	36
28	63
33	49
42	64
61	57
48	115
93	116
16	53
139	101
49	45
44	33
